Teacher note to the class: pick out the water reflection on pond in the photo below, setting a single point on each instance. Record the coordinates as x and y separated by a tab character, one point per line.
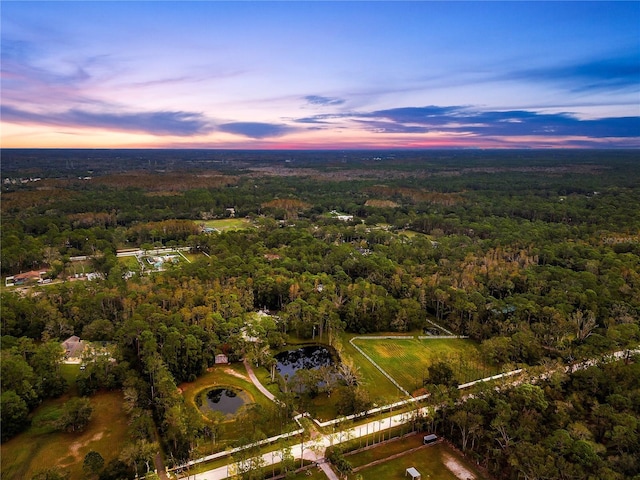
308	357
223	400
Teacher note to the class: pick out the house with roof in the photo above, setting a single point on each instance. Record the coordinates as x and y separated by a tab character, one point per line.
73	348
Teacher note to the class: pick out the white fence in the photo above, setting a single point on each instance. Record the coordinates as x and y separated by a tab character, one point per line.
391	379
225	453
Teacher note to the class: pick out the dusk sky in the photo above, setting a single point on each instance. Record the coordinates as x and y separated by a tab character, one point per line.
320	74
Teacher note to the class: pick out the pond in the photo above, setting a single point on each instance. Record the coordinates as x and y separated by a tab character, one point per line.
224	400
308	357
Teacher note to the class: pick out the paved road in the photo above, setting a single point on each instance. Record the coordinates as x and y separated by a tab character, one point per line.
328	472
160	468
315	449
257	383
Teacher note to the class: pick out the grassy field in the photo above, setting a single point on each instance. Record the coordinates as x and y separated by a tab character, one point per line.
234	376
437	461
412	233
311	474
226	224
407	360
130	263
382	391
42	447
192	257
223	376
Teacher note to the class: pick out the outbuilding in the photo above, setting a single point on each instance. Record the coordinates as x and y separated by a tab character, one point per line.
221	358
431	438
415	474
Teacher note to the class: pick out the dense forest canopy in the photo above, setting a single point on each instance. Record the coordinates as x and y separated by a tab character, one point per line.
534	254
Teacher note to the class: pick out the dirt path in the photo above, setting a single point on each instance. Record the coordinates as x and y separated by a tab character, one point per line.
457	469
160	468
75	447
158	462
231	371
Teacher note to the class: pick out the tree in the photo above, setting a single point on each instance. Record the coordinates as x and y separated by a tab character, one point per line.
584	324
468	423
51	474
350	372
76	414
441	373
497	350
533	461
116	469
137	453
46	364
287	462
98	330
14	414
352	399
93	463
18	376
337	459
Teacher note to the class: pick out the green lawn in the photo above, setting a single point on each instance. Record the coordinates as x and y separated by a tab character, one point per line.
130	263
385	450
382	391
265	378
316	474
226	224
192	257
41	447
407	360
433	462
234	376
412	233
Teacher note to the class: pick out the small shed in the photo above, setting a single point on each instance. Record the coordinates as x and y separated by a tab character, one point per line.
431	438
415	474
221	358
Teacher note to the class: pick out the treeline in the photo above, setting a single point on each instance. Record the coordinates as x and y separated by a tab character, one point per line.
30	373
479	196
573	426
559	298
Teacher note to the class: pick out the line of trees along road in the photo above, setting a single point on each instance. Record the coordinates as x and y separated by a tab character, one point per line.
536	265
571	426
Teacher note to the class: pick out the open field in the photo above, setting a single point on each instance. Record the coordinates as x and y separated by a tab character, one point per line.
42	447
226	224
408	360
130	263
413	233
381	389
192	257
437	461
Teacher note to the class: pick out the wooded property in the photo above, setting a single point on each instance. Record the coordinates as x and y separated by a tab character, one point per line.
533	256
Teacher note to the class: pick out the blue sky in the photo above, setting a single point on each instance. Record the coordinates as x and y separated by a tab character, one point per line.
320	74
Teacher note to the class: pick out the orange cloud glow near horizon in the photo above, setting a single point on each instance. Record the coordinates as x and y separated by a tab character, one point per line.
265	75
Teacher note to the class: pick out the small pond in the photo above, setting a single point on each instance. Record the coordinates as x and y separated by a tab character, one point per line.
223	400
308	357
